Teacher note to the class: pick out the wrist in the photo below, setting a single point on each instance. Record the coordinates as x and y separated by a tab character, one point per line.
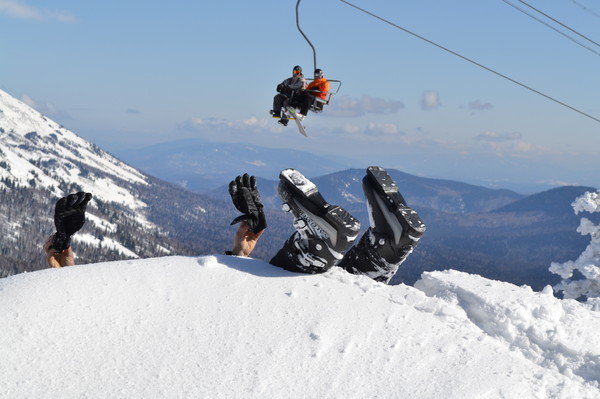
237	251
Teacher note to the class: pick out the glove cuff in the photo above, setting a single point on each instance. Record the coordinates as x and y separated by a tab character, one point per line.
61	242
255	224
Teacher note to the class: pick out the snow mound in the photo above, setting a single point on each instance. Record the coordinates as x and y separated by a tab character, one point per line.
556	334
227	327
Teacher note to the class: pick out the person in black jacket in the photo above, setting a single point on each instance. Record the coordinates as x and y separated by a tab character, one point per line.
286	91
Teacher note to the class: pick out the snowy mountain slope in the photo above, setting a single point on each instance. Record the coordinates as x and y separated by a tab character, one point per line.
132	215
36	148
227	327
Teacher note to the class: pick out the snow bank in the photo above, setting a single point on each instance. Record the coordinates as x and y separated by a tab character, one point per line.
556	334
227	327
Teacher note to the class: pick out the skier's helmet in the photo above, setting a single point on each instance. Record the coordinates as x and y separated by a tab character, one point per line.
318	73
297	70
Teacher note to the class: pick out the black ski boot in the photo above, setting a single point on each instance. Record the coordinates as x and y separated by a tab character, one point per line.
283	121
275	114
395	230
323	231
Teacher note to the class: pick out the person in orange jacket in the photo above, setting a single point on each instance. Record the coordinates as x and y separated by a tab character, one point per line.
319	87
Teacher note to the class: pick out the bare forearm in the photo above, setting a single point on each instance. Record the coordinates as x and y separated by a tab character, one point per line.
53	262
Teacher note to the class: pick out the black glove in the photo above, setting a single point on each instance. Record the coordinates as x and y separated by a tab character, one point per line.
69	217
280	88
246	199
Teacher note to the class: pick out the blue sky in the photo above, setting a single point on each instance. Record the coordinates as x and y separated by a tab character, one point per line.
125	74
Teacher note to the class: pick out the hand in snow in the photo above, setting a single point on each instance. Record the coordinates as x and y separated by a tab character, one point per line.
58	259
69	217
245	240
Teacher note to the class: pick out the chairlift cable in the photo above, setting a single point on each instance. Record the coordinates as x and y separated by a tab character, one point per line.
558	22
470	60
594	13
552	27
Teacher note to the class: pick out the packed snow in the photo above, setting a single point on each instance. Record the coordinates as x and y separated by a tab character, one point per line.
228	327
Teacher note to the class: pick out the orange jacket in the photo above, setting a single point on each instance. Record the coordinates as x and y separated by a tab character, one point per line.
320	84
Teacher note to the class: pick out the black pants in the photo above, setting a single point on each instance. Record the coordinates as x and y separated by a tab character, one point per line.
363	258
303	101
279	101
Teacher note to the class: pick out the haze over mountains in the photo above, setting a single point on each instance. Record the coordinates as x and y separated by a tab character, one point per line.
499	234
201	165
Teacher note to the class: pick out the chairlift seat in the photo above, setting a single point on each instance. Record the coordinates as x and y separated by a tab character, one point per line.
318	103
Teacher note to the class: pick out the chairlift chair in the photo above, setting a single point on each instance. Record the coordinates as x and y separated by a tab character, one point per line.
318	102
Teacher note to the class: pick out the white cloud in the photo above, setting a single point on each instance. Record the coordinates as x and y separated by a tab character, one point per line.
18	9
498	137
372	129
256	163
430	100
479	105
557	183
346	106
231	127
511	145
382	129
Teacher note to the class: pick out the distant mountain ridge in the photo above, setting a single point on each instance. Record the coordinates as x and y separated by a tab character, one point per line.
201	165
345	188
556	200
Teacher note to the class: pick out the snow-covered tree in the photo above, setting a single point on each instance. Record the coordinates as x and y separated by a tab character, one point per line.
588	263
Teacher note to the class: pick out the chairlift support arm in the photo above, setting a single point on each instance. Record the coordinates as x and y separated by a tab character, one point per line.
305	37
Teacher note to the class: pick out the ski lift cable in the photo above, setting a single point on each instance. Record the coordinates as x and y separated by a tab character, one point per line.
472	61
552	27
305	37
594	13
558	22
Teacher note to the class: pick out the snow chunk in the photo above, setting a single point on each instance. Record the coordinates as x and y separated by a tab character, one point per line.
588	263
588	202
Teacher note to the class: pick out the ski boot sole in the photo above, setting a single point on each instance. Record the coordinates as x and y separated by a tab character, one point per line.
382	191
303	199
